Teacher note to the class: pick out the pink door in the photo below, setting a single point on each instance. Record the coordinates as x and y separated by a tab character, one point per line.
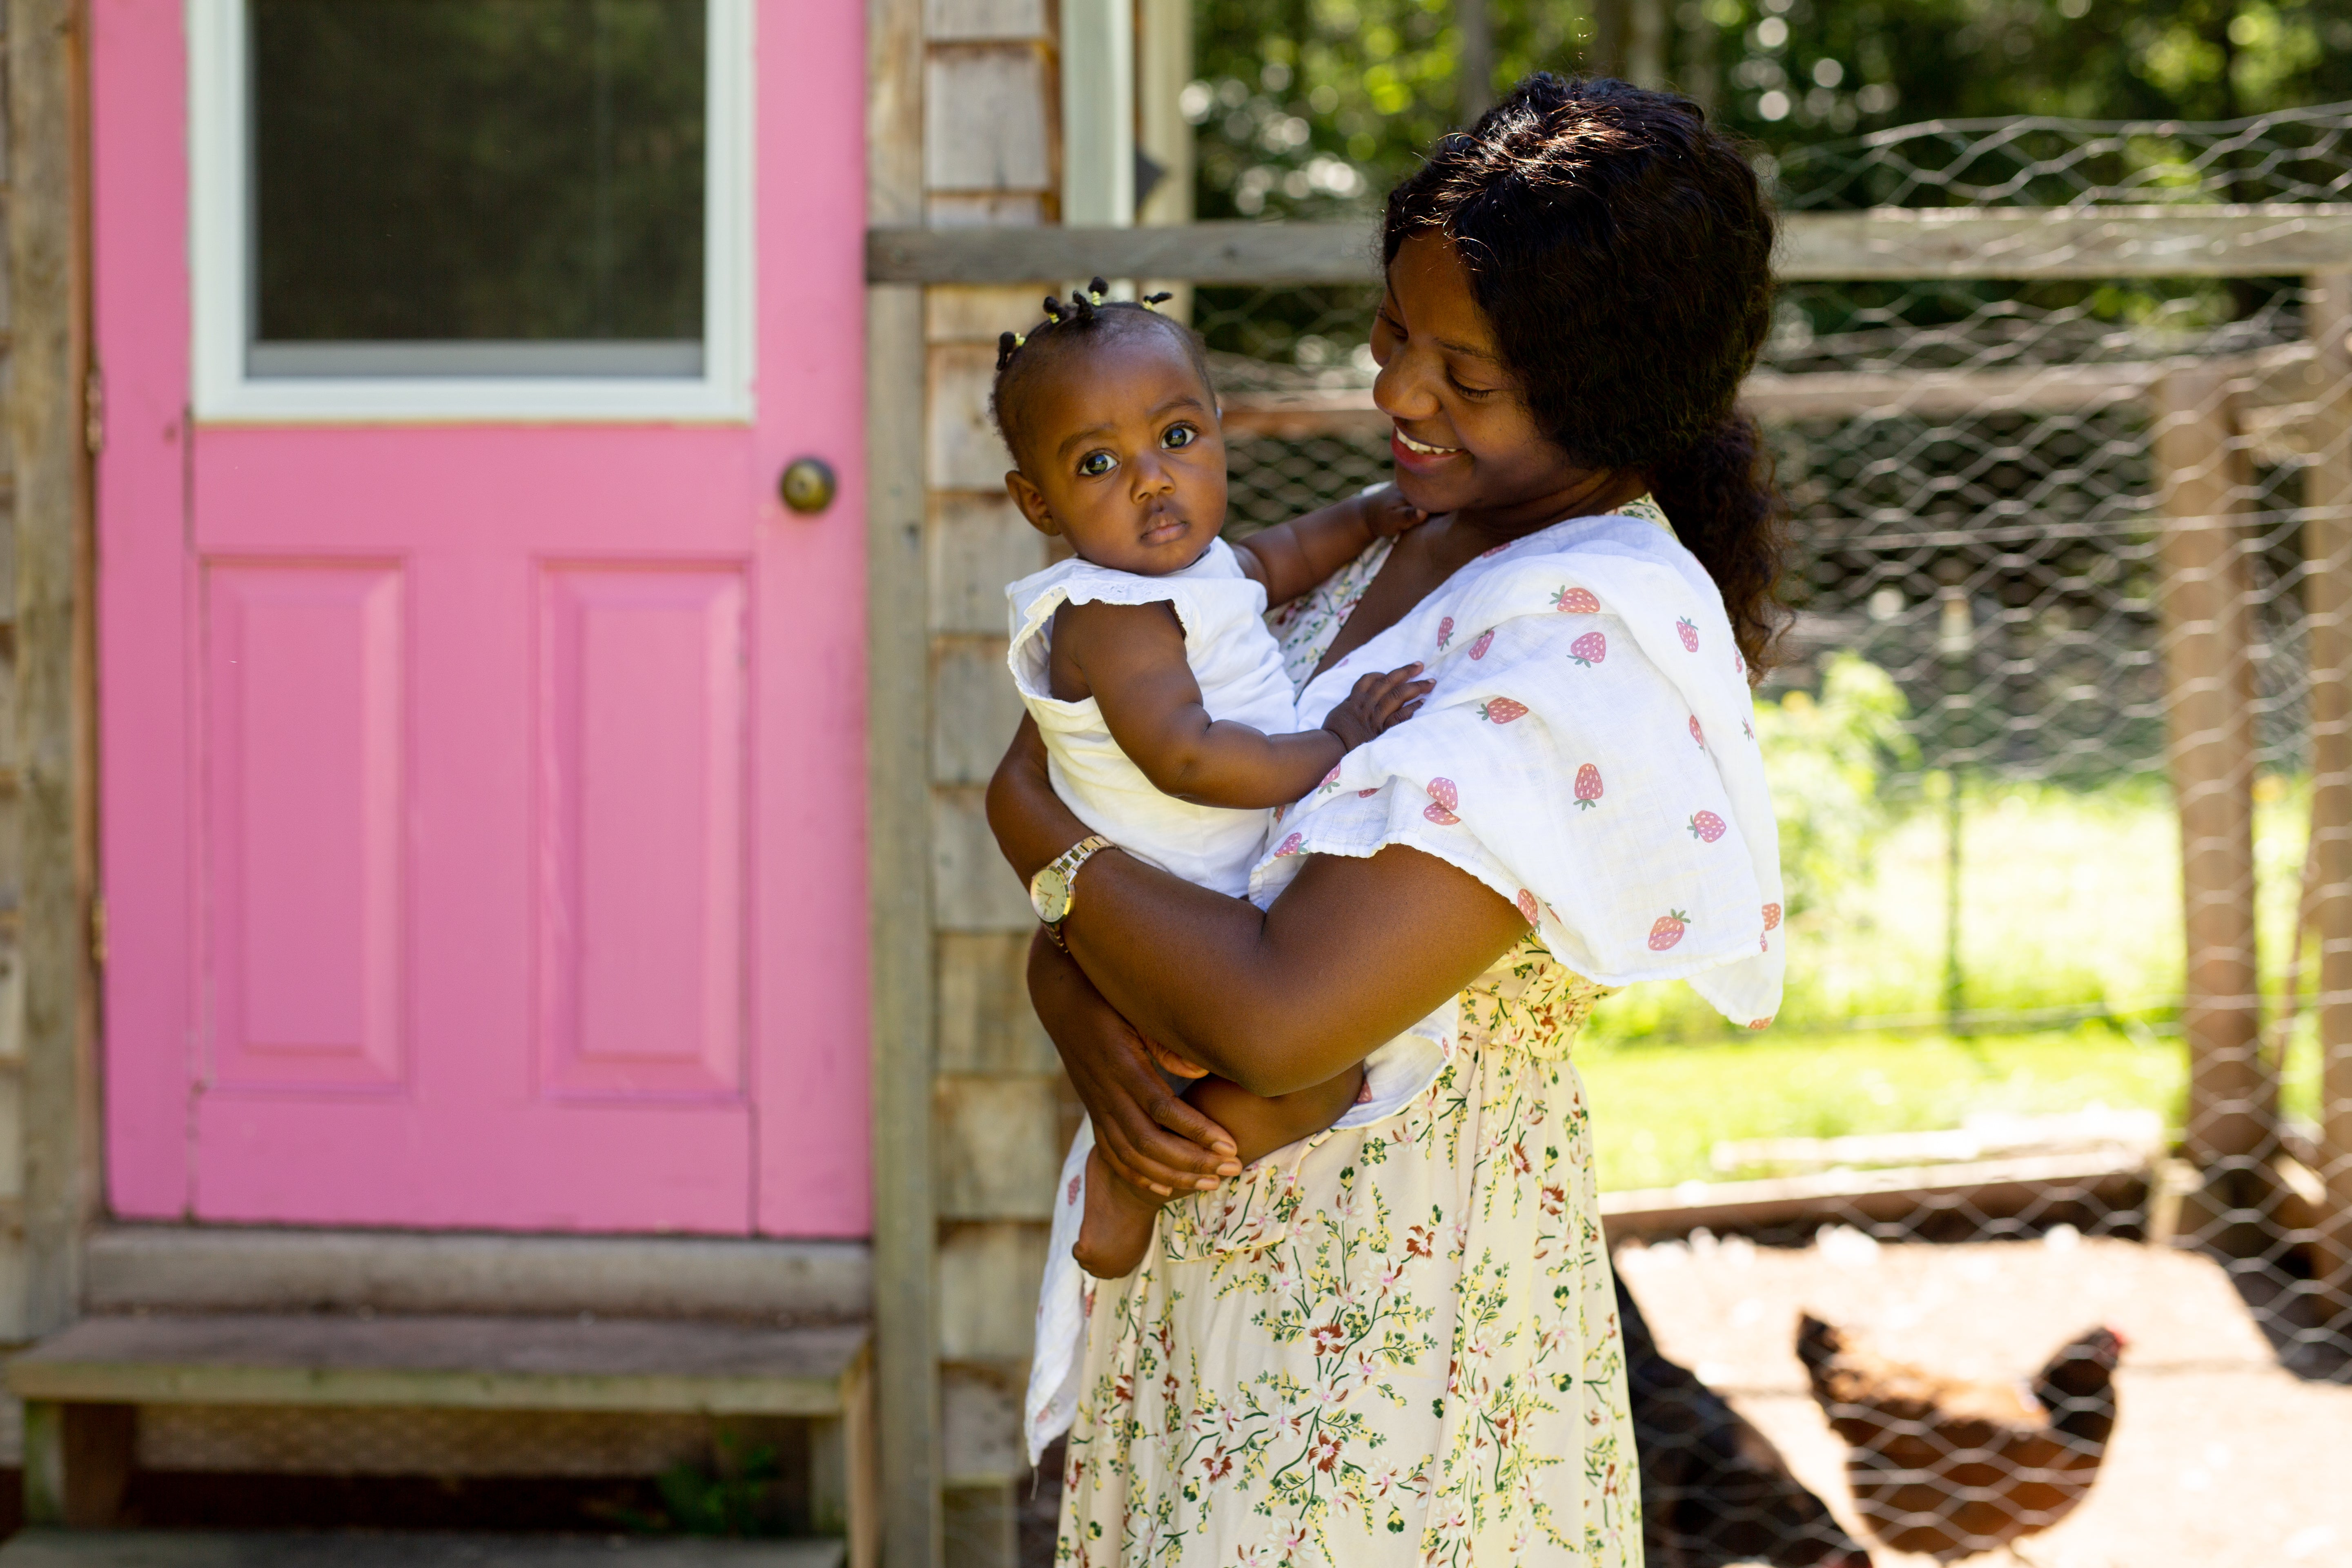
482	744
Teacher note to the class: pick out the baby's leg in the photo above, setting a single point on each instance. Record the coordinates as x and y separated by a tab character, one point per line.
1261	1124
1117	1227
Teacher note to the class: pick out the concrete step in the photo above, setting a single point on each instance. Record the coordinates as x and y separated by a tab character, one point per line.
303	1548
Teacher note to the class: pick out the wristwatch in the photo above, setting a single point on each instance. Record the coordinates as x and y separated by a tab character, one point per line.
1050	890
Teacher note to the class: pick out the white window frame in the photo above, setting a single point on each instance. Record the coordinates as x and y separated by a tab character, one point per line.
219	245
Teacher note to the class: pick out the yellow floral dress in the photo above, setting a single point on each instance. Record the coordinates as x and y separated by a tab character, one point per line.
1391	1345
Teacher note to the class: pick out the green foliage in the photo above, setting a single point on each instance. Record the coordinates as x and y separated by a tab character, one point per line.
1315	107
1829	759
740	1494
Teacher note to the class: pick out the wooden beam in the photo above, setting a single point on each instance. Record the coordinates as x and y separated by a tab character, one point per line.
1989	1190
2276	378
53	428
2327	589
1200	252
2215	241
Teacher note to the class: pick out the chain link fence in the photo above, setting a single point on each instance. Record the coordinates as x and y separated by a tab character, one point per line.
2064	814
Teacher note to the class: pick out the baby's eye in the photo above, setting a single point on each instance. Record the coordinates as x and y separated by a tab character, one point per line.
1095	465
1180	437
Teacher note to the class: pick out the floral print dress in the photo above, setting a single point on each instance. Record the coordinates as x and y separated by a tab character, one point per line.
1395	1344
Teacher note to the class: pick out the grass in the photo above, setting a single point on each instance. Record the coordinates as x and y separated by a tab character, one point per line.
2070	907
1658	1110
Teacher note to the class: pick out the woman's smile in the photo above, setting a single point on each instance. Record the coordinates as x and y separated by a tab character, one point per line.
1418	456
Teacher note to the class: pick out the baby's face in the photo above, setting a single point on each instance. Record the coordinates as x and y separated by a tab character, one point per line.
1126	458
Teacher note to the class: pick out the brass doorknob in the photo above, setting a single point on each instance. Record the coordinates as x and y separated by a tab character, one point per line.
807	486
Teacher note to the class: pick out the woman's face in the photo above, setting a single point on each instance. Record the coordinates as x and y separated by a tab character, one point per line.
1463	439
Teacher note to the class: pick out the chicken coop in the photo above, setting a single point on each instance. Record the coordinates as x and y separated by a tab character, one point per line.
2054	1134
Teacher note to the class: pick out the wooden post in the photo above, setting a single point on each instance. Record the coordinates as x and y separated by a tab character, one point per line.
1604	50
1474	76
905	1382
2208	678
77	1463
1645	43
2327	547
1097	70
54	428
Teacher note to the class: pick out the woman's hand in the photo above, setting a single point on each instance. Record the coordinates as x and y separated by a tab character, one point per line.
1147	1133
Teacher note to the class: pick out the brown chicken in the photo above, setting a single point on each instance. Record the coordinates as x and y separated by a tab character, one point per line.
1952	1468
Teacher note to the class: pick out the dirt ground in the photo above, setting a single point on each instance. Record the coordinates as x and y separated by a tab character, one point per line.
2221	1459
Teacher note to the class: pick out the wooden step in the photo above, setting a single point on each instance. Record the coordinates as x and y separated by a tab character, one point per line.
221	1549
503	1363
82	1387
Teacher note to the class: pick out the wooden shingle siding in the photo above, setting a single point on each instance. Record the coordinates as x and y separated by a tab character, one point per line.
988	1289
978	542
986	1025
988	131
986	21
974	709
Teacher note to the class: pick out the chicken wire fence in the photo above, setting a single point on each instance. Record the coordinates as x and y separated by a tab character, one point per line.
2063	819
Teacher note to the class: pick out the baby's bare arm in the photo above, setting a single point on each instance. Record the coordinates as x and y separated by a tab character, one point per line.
1291	558
1132	657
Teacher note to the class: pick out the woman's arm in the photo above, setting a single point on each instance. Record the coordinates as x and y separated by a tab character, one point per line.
1150	1134
1351	953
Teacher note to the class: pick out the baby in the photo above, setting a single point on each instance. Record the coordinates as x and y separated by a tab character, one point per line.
1167	719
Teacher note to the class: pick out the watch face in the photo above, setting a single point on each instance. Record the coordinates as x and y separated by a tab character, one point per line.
1049	895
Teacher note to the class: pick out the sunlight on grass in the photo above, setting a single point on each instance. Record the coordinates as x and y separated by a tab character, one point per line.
2070	906
2070	903
1658	1110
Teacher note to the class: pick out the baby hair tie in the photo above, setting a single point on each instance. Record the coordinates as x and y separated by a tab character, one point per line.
1153	301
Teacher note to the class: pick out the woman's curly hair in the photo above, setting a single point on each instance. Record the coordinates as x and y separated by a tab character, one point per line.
1622	249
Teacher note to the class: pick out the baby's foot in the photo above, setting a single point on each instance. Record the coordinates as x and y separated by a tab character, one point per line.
1116	1227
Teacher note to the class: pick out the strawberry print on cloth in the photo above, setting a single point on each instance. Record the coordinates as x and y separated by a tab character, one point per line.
1396	1345
1501	770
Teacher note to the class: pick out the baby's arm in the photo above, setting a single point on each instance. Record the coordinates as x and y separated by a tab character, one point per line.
1291	558
1131	659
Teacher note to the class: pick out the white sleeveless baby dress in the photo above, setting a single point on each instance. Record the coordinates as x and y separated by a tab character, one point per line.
1239	667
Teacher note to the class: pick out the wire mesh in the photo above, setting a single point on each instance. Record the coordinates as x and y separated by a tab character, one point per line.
2063	747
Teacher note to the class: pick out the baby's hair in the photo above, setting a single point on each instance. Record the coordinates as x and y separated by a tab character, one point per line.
1025	358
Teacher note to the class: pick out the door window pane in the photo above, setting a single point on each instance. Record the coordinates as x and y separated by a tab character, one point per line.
478	186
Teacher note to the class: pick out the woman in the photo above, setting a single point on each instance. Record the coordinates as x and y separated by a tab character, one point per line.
1397	1344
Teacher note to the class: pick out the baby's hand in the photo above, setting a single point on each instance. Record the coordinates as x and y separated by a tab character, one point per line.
1378	703
1386	511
